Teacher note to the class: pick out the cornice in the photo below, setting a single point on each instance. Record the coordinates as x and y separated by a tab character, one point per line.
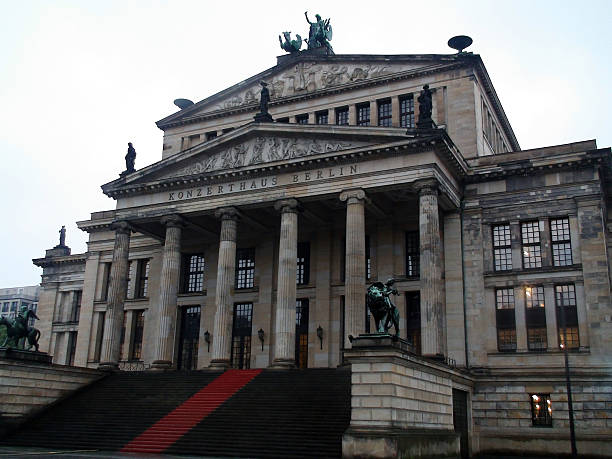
56	261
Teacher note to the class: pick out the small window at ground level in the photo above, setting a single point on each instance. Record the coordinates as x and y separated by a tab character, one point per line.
541	410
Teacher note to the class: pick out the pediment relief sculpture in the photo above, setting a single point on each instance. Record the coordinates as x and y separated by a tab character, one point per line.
261	150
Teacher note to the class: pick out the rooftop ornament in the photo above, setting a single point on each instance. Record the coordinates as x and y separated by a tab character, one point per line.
460	42
130	158
320	34
289	45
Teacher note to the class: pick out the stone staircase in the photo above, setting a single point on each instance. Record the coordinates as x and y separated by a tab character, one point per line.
239	413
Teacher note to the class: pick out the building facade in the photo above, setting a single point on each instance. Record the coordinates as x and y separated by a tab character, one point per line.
12	299
251	244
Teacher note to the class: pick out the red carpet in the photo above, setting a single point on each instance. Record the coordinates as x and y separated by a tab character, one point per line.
178	422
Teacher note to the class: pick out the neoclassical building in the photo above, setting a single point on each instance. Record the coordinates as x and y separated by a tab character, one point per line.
251	244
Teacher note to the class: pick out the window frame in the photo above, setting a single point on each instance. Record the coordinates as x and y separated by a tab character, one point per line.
320	115
385	113
302	272
558	242
364	115
342	114
567	318
504	264
505	313
535	317
248	256
413	256
536	420
142	278
190	284
302	118
406	111
531	244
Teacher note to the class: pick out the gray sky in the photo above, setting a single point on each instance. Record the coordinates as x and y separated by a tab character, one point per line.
80	79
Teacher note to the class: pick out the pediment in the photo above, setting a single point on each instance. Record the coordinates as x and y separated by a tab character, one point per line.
309	75
254	146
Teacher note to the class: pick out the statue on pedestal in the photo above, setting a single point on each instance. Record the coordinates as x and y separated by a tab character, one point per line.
425	107
130	158
264	100
381	307
62	233
18	328
320	33
291	46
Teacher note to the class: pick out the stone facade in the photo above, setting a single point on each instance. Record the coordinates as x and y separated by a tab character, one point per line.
209	249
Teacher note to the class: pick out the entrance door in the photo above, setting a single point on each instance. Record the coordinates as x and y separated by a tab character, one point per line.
460	420
241	335
413	320
301	333
189	338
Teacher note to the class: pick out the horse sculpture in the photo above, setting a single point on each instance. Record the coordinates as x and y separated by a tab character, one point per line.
381	307
18	329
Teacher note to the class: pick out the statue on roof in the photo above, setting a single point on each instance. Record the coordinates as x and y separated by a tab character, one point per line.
62	233
264	99
130	158
291	46
320	33
425	107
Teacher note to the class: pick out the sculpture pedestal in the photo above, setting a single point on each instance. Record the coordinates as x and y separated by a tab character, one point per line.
401	404
25	356
263	118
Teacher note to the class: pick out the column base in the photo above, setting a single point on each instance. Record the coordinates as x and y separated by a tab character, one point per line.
283	364
161	365
221	364
112	366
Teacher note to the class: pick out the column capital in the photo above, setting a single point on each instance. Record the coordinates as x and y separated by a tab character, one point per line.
353	196
121	227
173	221
287	205
425	187
227	213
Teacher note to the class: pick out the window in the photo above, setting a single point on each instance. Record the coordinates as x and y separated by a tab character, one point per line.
72	342
75	310
131	276
105	280
412	254
541	410
530	237
502	247
5	306
193	279
342	116
227	130
363	114
99	336
567	316
211	135
506	323
535	318
241	336
301	333
368	258
142	281
122	339
303	263
407	111
245	268
322	117
14	306
283	120
384	113
413	320
301	119
137	334
561	245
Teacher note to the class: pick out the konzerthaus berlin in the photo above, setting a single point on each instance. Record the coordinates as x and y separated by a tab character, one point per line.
251	244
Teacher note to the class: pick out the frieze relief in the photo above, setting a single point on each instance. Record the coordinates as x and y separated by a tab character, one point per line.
307	77
263	150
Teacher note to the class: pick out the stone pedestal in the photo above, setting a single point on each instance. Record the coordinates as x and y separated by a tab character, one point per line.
117	291
284	347
226	266
168	292
401	404
20	355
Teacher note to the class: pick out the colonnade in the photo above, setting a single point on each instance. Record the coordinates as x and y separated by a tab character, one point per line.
432	301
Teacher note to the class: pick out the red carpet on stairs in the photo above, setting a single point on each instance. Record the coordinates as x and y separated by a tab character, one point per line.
178	422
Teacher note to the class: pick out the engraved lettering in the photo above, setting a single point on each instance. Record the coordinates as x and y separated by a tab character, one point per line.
199	192
253	185
331	174
307	176
341	173
189	194
264	182
220	189
295	179
242	186
208	191
319	174
354	169
180	195
171	197
273	181
231	185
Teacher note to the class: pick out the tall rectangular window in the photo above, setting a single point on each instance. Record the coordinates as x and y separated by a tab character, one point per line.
211	135
72	342
561	244
384	113
502	247
505	318
142	282
75	310
122	352
99	336
241	336
530	237
342	116
301	332
413	320
137	334
106	280
131	277
567	315
541	410
363	114
412	254
193	273
535	318
302	119
245	268
322	117
407	111
368	258
303	263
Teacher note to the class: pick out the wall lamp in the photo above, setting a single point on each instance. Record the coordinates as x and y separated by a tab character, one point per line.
320	335
260	334
207	339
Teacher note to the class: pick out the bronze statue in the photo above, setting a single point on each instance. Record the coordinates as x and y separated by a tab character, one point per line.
425	106
320	33
381	307
62	233
264	99
291	46
130	158
19	328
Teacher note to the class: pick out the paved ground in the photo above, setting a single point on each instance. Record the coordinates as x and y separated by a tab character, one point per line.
15	452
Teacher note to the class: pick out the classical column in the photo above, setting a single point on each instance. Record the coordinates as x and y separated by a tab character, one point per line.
226	267
168	291
284	347
117	290
354	279
432	286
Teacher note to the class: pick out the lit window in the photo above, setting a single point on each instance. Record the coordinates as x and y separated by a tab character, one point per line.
245	268
502	247
532	253
541	410
567	316
561	245
384	113
535	318
505	318
303	263
412	254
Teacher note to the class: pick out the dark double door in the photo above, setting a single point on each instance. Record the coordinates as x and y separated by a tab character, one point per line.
189	338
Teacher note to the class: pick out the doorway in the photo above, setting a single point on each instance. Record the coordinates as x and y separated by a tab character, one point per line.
189	338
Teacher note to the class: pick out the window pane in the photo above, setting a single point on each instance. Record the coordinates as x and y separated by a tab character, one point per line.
536	339
534	297
506	339
342	116
412	254
407	112
384	113
530	237
561	245
322	118
504	298
245	268
194	276
363	115
502	250
541	410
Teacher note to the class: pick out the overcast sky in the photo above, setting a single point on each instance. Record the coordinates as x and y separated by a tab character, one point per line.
80	79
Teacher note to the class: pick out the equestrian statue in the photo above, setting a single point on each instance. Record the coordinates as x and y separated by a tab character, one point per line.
381	307
18	328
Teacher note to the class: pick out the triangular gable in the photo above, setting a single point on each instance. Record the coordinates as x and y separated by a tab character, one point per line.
309	74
